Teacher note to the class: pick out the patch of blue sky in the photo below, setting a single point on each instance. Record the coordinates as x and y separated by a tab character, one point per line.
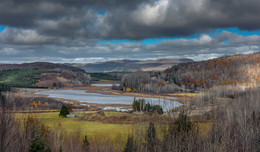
148	41
152	41
194	36
226	42
2	28
158	40
102	12
239	32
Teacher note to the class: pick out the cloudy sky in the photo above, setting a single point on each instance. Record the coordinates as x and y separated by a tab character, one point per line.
99	30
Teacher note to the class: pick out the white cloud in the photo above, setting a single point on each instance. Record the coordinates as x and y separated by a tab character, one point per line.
204	39
150	14
22	36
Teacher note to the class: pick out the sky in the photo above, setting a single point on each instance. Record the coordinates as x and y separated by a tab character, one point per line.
86	31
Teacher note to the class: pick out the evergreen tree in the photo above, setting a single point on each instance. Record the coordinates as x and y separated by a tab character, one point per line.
157	108
151	138
85	143
38	142
183	123
177	129
147	107
129	147
64	111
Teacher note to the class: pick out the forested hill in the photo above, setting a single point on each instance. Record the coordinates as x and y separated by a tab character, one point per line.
243	70
40	66
228	70
42	74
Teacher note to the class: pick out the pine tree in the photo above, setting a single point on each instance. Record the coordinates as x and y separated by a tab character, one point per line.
151	138
38	142
85	143
64	111
129	147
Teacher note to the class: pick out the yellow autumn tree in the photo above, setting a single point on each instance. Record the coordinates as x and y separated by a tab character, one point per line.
128	89
46	104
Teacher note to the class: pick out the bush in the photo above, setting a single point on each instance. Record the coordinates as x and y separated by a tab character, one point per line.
158	109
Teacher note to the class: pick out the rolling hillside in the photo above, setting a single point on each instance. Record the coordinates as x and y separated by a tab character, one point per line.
42	74
130	65
228	70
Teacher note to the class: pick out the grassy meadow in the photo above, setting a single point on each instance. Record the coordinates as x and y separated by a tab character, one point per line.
90	128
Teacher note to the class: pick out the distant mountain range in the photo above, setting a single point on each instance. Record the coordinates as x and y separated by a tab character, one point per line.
130	65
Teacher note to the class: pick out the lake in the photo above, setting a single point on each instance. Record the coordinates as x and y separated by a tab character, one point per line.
84	96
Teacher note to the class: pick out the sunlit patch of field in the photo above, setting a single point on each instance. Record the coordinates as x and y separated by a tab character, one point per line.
113	113
89	128
203	126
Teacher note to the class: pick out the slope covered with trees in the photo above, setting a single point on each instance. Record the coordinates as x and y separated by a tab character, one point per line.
228	70
42	74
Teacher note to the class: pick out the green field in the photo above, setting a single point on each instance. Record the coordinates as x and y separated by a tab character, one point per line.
20	78
86	127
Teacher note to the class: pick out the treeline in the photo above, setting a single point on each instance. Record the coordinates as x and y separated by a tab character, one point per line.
114	76
147	82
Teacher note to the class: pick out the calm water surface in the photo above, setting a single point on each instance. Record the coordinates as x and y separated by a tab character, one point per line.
82	96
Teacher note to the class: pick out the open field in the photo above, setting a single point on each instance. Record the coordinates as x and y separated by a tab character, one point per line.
86	127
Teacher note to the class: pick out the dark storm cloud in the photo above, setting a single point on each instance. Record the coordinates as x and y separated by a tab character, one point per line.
169	18
133	19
